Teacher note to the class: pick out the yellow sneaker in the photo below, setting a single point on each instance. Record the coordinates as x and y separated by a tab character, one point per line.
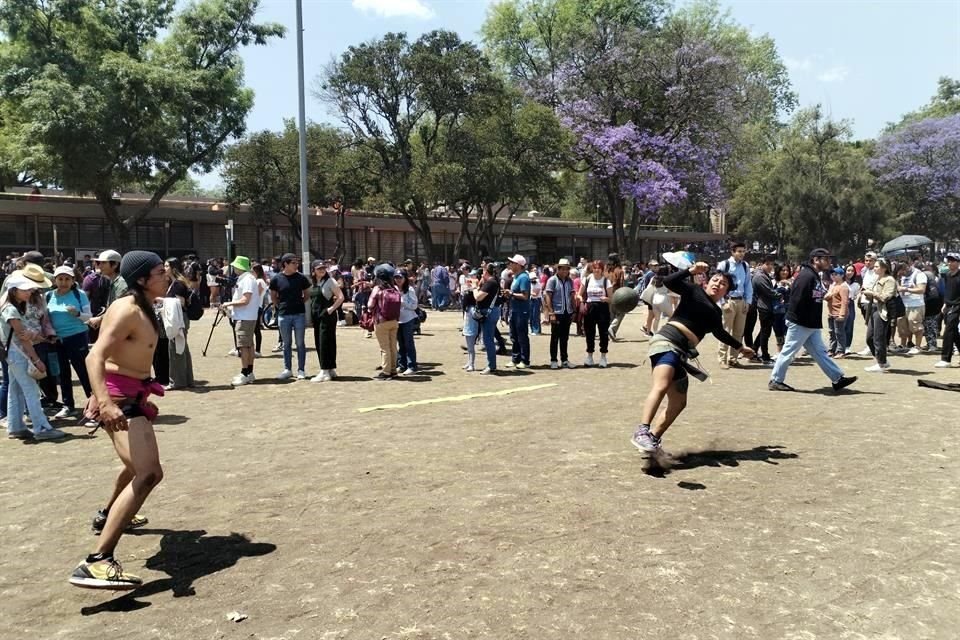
103	574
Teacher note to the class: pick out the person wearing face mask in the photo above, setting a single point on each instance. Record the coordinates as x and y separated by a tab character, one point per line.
675	343
805	323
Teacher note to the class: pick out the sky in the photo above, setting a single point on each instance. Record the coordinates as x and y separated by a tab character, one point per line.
865	61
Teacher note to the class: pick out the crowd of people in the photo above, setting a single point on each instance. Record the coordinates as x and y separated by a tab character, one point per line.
121	325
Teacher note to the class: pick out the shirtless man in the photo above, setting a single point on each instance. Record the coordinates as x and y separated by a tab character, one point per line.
119	367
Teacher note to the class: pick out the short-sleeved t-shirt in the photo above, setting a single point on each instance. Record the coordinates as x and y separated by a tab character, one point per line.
913	278
290	293
246	283
520	284
65	323
8	313
492	288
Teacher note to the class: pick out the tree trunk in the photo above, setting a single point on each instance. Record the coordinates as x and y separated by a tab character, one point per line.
341	250
121	232
615	209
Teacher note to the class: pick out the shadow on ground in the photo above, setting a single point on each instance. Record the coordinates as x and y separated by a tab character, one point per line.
683	460
185	556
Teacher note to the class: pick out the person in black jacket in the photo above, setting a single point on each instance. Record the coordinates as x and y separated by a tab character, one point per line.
764	296
804	324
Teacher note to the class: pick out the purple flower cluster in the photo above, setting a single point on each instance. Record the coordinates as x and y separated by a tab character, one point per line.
922	158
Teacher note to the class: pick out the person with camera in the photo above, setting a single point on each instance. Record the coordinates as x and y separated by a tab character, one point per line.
244	309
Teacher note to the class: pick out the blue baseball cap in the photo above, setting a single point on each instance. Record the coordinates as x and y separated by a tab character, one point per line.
839	271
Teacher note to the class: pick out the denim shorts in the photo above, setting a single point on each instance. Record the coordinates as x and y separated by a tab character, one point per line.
669	359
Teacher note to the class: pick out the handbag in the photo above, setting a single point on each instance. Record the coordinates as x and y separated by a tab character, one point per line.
479	314
34	372
421	315
896	308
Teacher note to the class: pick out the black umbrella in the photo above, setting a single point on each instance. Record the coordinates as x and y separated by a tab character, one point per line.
905	243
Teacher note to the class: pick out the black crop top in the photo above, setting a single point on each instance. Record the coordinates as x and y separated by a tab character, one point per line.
696	310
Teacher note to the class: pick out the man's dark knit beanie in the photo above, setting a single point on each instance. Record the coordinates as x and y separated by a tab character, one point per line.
138	264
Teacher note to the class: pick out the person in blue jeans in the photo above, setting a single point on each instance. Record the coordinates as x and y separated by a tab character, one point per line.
536	304
290	291
519	312
486	297
69	310
805	324
23	391
406	345
440	280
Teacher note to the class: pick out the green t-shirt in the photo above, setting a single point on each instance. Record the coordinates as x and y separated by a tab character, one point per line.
117	288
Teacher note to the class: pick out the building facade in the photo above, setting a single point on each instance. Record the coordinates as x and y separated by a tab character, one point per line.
74	226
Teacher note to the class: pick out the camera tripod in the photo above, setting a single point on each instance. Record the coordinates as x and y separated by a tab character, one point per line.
221	314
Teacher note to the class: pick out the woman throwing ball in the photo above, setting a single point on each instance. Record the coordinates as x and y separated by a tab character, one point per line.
675	344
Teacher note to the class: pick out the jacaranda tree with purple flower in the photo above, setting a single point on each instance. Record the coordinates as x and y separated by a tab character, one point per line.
658	104
919	165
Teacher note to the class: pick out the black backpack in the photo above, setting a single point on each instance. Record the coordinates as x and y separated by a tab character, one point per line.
194	306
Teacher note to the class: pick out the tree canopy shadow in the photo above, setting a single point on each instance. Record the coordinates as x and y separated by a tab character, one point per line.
185	556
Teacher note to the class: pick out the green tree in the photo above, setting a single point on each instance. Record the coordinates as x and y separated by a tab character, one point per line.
812	189
263	171
403	102
125	91
945	102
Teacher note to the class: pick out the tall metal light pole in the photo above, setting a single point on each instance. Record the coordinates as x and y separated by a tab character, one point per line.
304	218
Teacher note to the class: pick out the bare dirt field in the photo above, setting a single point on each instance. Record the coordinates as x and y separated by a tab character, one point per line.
524	515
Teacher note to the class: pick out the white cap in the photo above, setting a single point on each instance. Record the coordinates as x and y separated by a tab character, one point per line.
64	271
108	256
518	259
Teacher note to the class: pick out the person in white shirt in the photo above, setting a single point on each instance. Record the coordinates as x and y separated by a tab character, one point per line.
912	285
869	277
245	309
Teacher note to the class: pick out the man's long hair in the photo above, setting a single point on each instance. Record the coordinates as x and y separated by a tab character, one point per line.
139	294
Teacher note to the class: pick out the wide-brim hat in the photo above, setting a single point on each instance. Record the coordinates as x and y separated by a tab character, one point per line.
36	274
241	262
21	282
563	263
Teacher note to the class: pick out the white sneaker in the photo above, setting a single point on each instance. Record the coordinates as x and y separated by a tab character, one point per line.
913	352
323	376
469	368
554	364
277	349
257	354
63	414
369	335
588	361
239	380
286	374
301	375
864	352
341	323
510	365
943	364
409	372
568	365
233	352
521	365
603	361
876	369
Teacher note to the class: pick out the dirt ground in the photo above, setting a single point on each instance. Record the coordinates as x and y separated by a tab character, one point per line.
795	516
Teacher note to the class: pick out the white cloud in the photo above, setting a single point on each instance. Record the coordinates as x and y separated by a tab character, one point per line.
798	64
395	8
834	74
